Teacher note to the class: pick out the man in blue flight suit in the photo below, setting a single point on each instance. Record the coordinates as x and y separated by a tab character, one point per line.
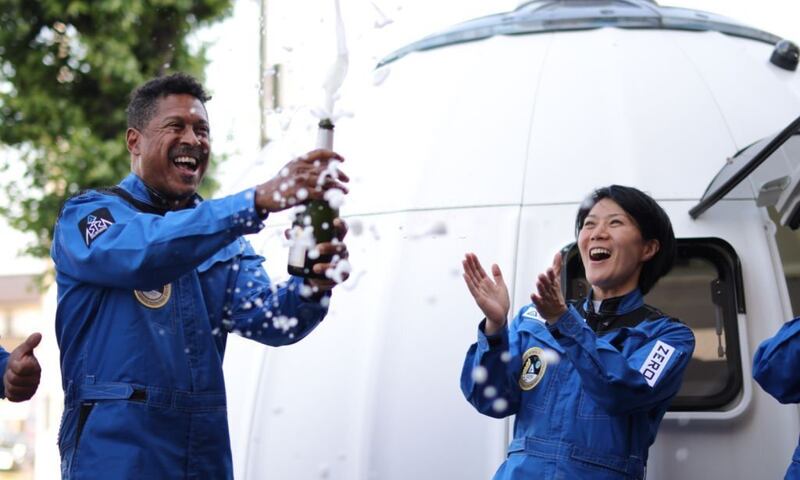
151	279
775	369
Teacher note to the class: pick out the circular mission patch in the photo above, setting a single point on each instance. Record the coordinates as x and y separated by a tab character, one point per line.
533	368
154	298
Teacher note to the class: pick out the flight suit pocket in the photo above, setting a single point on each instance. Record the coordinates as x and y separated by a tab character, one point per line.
158	306
83	416
536	378
540	396
73	422
67	428
588	409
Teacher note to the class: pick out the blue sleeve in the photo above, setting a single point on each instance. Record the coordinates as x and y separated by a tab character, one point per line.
268	313
3	364
126	248
775	363
499	355
628	381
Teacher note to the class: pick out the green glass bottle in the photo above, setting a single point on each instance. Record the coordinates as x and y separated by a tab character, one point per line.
313	223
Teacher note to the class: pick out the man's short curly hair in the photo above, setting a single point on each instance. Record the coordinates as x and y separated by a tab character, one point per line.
144	99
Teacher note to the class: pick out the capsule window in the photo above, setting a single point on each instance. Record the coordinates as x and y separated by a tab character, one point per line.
704	291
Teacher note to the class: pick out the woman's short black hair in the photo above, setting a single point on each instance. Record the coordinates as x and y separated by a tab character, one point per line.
652	221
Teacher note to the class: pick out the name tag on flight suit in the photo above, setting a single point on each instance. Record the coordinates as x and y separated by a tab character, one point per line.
656	362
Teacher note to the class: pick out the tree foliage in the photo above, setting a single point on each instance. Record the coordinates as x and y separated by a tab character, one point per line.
66	71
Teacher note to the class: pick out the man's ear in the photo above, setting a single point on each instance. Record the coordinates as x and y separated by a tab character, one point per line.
132	138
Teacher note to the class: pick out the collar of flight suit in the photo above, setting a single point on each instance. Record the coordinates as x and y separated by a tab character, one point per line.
144	193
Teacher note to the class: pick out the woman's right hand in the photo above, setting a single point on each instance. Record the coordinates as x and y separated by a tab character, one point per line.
490	295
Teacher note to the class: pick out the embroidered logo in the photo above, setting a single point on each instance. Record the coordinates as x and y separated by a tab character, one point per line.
533	314
656	362
154	298
533	368
95	224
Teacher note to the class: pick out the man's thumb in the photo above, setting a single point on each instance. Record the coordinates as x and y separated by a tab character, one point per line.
30	343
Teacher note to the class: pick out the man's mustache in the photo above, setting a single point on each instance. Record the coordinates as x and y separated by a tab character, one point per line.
194	151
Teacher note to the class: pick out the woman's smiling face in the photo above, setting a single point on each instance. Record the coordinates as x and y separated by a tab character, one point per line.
612	250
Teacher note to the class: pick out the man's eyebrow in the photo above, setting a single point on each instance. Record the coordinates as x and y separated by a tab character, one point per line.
172	118
178	118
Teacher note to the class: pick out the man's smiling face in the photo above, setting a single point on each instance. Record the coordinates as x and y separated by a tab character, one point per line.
171	153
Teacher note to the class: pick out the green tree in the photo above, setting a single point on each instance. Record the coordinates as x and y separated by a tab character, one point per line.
66	71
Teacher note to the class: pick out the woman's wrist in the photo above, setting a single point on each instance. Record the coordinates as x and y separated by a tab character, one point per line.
493	327
553	318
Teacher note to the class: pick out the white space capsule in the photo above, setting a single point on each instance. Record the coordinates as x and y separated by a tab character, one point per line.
496	129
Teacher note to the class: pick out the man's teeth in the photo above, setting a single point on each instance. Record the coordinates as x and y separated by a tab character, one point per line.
187	161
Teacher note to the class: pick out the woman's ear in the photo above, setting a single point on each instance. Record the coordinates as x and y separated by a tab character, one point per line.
651	247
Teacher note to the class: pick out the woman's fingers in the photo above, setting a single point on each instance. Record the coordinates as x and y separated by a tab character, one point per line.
469	270
470	286
473	267
476	265
498	276
547	287
557	264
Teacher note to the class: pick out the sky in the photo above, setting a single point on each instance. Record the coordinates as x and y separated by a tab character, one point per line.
302	37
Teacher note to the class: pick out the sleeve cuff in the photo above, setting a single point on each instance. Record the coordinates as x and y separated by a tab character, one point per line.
568	324
321	297
245	217
492	342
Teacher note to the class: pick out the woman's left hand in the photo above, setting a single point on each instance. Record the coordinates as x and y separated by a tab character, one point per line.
548	298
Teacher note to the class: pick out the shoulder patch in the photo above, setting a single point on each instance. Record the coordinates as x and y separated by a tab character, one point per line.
95	224
532	313
655	363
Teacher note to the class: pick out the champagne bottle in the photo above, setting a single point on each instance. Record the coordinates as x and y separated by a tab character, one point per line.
313	223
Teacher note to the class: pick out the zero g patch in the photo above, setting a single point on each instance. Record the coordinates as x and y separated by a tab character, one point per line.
533	368
95	224
656	362
154	298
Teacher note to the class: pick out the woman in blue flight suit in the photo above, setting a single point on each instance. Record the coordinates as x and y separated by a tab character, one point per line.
775	369
588	382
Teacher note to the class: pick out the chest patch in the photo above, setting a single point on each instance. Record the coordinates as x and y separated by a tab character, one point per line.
154	298
95	224
533	314
656	362
533	368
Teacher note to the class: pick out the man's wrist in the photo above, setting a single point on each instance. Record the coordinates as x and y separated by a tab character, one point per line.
264	203
317	292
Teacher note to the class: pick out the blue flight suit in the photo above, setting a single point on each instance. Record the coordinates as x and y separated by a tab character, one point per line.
3	364
588	392
775	369
146	299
